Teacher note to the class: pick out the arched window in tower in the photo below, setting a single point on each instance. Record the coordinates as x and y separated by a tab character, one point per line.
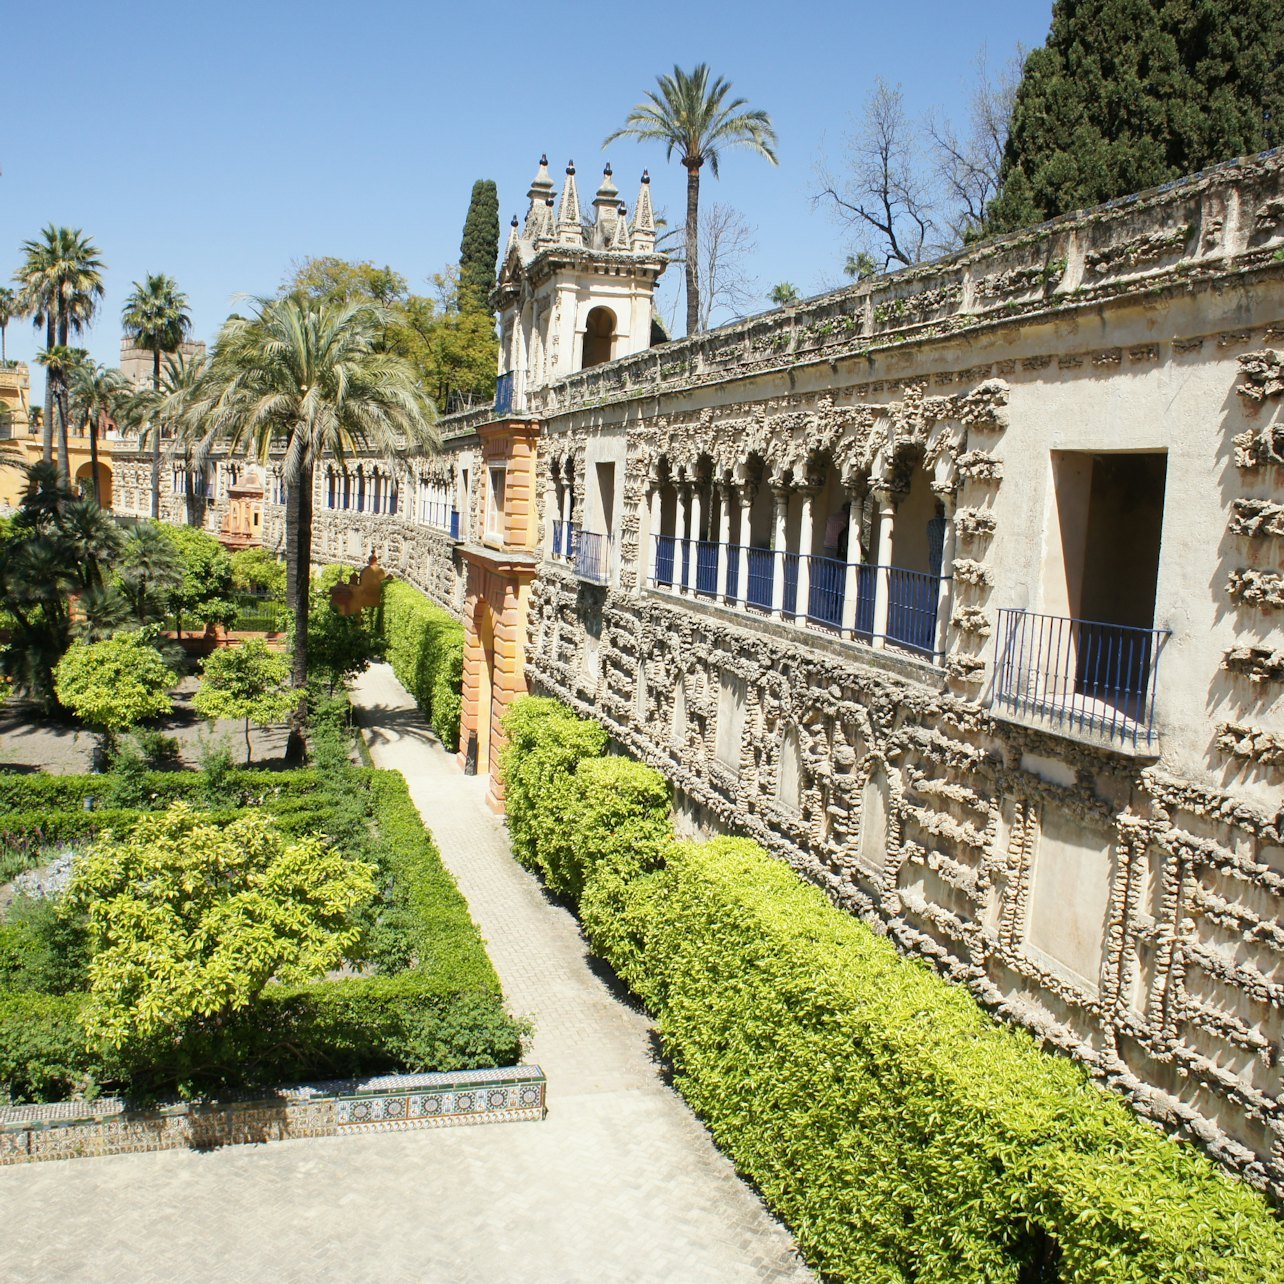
599	336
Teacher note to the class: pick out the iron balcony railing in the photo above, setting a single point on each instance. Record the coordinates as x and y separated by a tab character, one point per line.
504	393
592	557
1082	676
913	597
564	534
442	516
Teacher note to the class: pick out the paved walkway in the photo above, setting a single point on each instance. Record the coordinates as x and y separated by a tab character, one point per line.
619	1183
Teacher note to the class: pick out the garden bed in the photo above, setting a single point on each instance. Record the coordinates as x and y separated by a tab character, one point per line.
424	997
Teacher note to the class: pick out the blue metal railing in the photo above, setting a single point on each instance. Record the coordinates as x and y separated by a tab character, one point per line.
1084	676
912	601
665	551
504	393
762	572
439	514
564	540
828	590
733	570
706	568
592	557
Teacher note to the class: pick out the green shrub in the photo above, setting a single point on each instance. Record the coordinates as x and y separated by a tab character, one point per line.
42	1047
424	645
546	742
900	1131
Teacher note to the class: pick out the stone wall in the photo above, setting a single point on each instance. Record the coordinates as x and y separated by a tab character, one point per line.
1121	900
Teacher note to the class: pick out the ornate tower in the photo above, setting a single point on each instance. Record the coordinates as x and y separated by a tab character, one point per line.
574	293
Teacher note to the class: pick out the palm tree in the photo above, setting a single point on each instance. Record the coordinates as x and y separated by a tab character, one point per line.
9	308
61	363
693	116
98	394
155	317
311	379
61	280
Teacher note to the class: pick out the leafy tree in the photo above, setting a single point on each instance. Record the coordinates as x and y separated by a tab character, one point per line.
331	280
60	282
246	681
155	317
189	920
206	590
692	114
339	646
450	343
257	570
151	568
114	684
1126	94
479	249
310	380
58	545
784	293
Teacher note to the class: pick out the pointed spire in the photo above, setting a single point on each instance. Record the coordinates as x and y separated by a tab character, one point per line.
644	218
620	239
546	223
512	236
569	229
541	189
606	202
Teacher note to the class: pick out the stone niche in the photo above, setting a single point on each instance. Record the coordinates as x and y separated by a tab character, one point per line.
1071	877
732	697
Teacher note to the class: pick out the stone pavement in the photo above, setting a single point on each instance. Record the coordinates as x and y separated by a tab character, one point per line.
620	1183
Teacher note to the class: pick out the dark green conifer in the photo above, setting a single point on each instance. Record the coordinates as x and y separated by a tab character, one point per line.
1126	94
479	249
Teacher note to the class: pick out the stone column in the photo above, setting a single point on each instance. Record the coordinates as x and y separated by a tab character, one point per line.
855	558
651	547
697	520
550	512
882	580
725	491
780	495
742	574
947	499
802	600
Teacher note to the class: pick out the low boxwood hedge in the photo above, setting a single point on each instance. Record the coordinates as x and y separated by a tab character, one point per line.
425	646
900	1131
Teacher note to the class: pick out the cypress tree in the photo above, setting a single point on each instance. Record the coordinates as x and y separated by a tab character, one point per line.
1126	94
479	249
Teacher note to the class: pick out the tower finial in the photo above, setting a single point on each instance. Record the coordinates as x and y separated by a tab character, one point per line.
541	189
605	203
569	229
644	218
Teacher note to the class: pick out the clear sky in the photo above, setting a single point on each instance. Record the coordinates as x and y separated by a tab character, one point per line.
220	142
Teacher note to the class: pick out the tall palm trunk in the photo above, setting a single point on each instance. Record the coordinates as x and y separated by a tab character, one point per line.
51	338
693	247
64	454
93	457
298	564
156	438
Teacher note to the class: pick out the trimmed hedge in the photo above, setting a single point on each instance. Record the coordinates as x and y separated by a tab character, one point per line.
900	1131
425	646
435	1004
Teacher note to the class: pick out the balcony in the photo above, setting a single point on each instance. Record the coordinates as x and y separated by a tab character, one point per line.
1081	678
592	557
441	517
564	541
841	597
504	393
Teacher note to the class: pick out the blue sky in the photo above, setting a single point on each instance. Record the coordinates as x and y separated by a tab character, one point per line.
218	143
